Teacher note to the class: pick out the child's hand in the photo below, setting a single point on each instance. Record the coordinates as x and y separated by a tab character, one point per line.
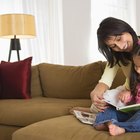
125	96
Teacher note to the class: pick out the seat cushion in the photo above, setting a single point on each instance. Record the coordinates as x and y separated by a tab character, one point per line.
66	128
24	112
6	131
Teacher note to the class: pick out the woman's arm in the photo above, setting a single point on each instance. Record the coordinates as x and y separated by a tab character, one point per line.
109	75
104	84
97	96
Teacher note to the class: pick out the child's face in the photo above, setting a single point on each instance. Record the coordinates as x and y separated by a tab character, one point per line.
136	60
120	43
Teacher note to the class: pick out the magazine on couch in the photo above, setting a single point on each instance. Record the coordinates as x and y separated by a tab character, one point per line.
85	117
110	96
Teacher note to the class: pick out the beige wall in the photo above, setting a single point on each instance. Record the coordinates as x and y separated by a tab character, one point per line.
138	16
76	22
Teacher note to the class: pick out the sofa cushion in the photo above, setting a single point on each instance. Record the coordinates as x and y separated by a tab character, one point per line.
35	82
15	79
61	81
24	112
66	128
6	131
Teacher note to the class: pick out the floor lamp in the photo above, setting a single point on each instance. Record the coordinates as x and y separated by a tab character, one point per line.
14	27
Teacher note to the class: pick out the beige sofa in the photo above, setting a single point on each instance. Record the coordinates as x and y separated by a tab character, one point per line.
54	90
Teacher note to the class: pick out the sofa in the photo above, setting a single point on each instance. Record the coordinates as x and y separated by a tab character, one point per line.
55	89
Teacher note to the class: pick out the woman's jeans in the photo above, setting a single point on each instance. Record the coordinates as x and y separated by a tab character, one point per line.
129	121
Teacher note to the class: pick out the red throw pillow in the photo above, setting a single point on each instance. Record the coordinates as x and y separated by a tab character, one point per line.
15	79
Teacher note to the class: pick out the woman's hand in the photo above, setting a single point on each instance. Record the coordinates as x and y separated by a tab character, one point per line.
125	96
97	96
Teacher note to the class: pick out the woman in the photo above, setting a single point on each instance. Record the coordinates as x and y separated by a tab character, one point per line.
116	40
118	122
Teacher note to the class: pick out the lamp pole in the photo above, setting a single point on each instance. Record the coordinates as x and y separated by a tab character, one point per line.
14	45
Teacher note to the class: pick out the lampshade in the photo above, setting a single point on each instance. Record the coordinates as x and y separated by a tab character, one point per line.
19	25
16	26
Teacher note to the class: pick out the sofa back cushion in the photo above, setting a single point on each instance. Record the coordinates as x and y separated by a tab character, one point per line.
59	81
35	82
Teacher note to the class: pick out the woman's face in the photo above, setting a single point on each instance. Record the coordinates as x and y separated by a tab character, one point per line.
120	43
136	60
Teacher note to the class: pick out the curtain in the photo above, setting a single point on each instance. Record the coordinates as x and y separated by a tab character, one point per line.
47	46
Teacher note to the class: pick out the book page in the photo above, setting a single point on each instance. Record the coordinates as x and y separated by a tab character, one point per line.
85	117
111	97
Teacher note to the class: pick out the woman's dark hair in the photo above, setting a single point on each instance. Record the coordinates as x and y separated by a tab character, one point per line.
134	76
114	27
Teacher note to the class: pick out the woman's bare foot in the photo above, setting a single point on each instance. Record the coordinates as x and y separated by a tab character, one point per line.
115	130
85	109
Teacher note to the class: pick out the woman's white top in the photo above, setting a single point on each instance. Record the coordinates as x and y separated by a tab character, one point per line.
110	73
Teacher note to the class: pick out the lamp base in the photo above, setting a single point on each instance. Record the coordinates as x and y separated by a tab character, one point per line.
14	45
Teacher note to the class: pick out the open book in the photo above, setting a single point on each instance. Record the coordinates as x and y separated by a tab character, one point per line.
85	117
111	97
